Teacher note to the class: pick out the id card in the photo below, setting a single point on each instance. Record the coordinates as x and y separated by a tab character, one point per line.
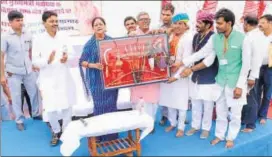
223	62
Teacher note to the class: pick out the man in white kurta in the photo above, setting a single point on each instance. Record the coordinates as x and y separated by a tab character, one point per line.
203	78
175	96
167	13
54	81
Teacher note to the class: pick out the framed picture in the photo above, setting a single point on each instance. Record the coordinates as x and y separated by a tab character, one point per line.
133	61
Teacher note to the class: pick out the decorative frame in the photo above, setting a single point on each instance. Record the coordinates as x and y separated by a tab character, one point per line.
134	61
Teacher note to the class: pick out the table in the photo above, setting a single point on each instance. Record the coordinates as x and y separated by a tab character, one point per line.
124	121
119	146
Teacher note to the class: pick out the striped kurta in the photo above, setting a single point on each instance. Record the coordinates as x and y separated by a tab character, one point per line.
104	100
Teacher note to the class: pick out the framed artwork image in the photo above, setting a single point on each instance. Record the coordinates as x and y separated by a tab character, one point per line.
134	61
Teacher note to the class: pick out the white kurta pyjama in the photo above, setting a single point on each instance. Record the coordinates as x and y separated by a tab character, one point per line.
54	81
175	95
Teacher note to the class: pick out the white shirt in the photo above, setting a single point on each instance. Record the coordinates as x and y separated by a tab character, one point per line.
206	52
185	49
209	59
43	44
55	78
266	45
254	45
209	48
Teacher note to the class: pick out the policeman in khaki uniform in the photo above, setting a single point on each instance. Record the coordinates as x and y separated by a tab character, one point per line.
17	68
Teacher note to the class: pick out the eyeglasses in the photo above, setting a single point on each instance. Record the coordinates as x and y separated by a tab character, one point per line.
144	19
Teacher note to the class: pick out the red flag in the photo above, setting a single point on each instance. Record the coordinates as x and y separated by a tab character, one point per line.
251	7
210	6
165	2
261	8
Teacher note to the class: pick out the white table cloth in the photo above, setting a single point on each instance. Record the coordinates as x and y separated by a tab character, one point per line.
104	124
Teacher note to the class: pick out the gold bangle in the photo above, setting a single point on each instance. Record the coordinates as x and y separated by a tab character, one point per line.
86	65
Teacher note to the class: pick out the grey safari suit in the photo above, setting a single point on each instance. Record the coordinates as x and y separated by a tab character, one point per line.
17	62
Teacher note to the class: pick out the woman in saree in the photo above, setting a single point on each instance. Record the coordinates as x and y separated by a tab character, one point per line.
104	100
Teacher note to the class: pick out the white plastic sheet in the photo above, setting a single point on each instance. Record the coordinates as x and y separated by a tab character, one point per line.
104	124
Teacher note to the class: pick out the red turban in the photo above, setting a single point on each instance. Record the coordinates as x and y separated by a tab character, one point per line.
204	15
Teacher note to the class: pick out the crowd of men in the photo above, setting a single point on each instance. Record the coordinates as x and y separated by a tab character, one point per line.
226	68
